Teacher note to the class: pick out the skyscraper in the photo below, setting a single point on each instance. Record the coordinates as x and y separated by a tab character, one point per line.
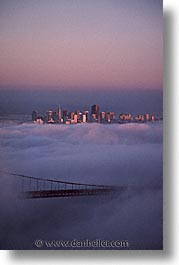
34	115
49	116
84	118
59	113
95	110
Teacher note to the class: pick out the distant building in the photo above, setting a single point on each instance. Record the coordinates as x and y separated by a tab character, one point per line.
140	118
55	116
108	118
86	112
77	112
49	115
112	115
59	113
84	118
102	115
93	117
68	121
95	110
65	115
80	117
39	120
75	119
147	117
72	115
125	116
153	118
34	115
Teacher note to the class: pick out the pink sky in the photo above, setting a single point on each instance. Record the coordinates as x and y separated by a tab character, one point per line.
81	44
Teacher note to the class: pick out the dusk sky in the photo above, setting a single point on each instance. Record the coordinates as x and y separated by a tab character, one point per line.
81	44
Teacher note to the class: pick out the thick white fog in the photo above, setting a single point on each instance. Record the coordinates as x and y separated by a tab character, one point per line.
129	154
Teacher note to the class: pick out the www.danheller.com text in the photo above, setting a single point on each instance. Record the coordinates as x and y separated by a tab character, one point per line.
96	243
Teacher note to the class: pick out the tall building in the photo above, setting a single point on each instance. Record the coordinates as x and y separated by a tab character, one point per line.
75	118
34	115
108	119
125	116
102	115
84	118
95	110
86	112
147	117
55	116
49	116
59	113
152	118
65	113
39	120
72	115
77	112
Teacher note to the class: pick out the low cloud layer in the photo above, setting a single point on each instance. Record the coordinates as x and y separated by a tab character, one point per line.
129	154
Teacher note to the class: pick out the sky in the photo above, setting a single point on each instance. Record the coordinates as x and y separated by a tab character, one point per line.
78	44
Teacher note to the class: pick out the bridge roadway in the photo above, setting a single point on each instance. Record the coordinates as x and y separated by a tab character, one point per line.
67	193
35	187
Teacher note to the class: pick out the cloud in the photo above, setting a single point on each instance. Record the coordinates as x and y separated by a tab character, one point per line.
129	154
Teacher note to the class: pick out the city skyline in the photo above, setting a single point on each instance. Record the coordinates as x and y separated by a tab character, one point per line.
94	115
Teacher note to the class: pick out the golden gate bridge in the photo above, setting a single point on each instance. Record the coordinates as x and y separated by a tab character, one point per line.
36	187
